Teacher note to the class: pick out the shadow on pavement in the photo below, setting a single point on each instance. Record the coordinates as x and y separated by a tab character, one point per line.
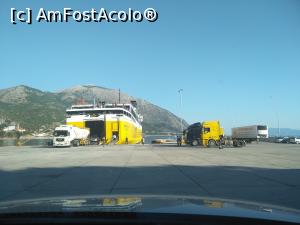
272	186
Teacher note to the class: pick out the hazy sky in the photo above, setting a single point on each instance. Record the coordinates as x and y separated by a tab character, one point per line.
237	61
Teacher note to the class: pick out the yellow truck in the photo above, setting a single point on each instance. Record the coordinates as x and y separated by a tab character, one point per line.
207	133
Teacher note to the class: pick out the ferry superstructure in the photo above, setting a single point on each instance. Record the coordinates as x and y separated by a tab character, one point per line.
115	122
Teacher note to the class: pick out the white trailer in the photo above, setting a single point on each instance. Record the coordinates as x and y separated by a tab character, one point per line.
295	140
67	136
250	133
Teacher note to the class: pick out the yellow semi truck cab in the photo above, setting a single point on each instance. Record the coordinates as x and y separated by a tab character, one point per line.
211	133
207	133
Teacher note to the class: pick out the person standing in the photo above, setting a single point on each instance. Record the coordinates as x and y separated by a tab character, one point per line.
179	141
143	140
103	141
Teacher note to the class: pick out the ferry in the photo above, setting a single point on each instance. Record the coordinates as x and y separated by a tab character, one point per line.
117	123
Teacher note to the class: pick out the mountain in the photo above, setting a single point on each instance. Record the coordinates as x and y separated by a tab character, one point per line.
284	132
34	109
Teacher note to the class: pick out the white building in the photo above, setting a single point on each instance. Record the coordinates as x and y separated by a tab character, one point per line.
9	128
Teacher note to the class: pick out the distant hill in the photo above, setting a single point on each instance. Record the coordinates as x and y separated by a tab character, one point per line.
33	108
284	132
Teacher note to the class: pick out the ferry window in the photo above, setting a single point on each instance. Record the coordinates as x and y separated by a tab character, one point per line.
117	112
96	113
73	113
134	114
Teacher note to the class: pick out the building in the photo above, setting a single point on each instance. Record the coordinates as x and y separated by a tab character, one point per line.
9	128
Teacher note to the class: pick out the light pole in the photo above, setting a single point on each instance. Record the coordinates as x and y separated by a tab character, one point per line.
180	94
278	125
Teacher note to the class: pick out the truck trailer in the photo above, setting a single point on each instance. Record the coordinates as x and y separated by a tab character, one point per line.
67	136
250	133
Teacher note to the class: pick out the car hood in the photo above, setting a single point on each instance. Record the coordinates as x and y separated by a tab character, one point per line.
153	204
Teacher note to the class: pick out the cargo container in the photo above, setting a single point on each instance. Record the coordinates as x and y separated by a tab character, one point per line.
250	133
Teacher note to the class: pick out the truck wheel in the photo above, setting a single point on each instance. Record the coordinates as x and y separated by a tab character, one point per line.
243	143
235	143
220	144
195	142
76	143
240	144
211	144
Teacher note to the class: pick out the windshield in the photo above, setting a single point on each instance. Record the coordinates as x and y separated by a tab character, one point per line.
193	98
262	128
61	133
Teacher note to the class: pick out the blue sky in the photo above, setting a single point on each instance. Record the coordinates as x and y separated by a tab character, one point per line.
237	61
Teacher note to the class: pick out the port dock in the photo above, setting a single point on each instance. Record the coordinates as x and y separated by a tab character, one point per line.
264	172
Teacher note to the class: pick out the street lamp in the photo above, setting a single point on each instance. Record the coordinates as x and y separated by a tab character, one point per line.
180	94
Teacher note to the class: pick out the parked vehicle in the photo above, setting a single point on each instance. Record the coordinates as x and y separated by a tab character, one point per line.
283	140
250	133
67	136
208	134
94	140
295	140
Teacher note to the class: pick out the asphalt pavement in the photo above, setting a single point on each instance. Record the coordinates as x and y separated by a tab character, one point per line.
263	172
